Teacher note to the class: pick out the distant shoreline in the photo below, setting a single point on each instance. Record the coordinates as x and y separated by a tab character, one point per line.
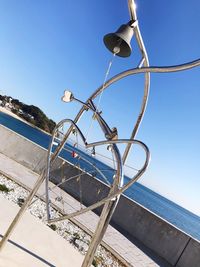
10	113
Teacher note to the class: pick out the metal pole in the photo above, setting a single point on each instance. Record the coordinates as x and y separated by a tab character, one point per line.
49	157
21	211
133	16
104	220
109	207
28	200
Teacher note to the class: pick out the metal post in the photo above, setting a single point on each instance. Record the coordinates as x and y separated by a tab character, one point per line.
28	200
133	16
104	220
105	217
21	211
109	207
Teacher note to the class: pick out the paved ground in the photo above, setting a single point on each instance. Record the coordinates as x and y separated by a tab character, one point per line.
113	240
33	244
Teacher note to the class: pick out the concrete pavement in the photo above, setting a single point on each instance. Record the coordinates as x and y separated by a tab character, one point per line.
34	244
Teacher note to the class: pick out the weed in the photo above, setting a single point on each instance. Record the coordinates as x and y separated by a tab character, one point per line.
20	201
53	227
97	261
4	188
73	239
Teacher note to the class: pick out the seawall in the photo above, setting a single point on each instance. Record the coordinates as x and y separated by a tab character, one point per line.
133	220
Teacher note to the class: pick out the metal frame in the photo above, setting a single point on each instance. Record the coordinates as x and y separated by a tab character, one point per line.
121	189
167	69
117	189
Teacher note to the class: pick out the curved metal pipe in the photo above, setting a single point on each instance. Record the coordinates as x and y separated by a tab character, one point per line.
49	157
121	190
153	69
98	170
138	36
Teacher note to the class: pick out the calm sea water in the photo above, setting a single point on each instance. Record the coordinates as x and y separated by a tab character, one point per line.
168	210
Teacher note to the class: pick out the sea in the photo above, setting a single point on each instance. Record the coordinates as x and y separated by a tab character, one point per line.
181	218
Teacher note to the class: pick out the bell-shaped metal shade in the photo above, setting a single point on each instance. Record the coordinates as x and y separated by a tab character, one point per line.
120	39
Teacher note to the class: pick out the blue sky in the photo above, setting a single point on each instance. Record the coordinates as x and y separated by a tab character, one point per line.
49	46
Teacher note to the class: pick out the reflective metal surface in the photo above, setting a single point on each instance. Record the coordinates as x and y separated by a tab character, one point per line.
117	188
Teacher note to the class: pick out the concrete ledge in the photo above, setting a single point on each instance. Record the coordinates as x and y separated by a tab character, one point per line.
22	150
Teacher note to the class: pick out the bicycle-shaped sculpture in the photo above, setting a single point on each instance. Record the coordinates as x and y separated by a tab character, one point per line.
119	44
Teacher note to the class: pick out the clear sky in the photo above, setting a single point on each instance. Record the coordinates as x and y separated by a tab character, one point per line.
49	46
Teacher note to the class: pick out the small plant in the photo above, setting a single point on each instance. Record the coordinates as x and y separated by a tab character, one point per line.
20	201
94	263
73	239
53	227
67	232
4	188
97	261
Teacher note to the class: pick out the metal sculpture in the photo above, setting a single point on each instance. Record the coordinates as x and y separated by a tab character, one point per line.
119	44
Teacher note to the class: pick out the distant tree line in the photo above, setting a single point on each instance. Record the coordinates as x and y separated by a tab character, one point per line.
30	113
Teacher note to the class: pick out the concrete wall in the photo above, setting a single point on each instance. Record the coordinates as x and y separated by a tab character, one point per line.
131	219
191	255
22	150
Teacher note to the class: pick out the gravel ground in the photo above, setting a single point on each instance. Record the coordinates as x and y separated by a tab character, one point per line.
69	231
